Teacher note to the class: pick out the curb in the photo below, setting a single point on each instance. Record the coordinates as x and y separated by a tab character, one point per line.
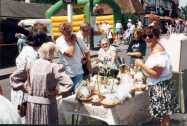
6	72
5	76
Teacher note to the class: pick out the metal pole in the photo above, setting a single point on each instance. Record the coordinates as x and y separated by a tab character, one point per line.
91	23
27	1
70	12
181	91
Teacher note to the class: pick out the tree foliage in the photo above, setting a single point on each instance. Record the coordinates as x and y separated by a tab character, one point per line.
184	12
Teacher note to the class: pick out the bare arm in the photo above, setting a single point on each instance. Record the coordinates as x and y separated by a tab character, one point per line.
155	72
70	51
114	56
138	54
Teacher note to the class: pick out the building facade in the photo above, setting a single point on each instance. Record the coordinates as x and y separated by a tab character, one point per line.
161	7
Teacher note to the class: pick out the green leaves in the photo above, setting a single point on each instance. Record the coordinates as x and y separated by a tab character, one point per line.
184	12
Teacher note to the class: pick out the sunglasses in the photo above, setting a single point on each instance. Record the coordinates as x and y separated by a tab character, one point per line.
148	35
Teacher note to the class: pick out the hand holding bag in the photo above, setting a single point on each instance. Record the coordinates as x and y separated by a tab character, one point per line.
84	62
22	108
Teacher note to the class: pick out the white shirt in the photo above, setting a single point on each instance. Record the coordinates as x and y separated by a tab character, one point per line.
27	55
118	25
160	59
106	55
129	24
73	65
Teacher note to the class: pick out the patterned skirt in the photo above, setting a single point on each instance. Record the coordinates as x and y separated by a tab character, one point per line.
163	99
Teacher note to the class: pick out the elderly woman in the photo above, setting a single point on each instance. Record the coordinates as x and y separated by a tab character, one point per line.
42	78
28	54
107	53
158	68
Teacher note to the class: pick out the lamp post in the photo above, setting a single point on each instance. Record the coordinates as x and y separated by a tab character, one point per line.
69	9
70	12
91	23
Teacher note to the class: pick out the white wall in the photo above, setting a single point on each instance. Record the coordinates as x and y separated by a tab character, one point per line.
177	50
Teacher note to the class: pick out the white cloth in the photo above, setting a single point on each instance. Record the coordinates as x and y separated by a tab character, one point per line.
160	59
8	113
124	88
73	65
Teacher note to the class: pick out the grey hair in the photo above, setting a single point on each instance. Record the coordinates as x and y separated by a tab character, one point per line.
104	40
47	51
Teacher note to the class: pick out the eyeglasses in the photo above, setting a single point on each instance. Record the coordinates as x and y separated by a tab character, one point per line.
67	28
148	35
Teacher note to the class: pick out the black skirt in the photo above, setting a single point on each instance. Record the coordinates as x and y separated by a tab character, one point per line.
163	99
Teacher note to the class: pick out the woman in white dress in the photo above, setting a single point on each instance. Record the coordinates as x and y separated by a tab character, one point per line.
158	68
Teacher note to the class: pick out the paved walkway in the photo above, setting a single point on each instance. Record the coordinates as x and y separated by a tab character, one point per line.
5	72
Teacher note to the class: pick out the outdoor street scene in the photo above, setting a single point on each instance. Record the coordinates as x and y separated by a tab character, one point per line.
93	62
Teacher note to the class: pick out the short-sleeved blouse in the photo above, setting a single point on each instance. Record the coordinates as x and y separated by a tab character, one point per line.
160	59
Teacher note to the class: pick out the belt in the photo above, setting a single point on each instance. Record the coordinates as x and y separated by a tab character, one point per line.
40	100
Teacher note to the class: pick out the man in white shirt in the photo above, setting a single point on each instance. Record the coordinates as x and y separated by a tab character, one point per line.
70	48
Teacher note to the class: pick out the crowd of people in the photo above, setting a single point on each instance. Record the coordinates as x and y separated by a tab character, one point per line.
38	80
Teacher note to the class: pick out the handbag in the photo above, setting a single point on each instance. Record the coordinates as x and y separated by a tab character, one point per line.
84	62
22	108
